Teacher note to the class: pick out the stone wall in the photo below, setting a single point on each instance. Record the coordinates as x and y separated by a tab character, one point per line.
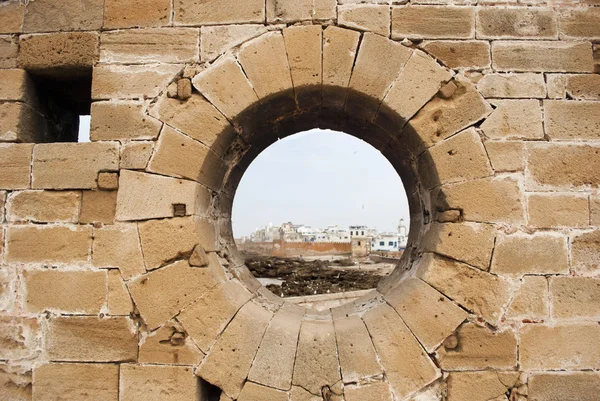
295	249
119	276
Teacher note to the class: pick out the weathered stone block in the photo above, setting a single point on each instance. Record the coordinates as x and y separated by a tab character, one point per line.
135	155
460	54
576	86
585	252
273	365
87	338
358	360
216	12
131	81
537	254
76	381
542	56
300	10
67	51
21	123
108	181
252	391
366	17
374	391
526	85
556	165
216	40
514	119
65	166
564	347
118	246
162	294
121	121
168	383
506	156
483	293
582	23
137	13
425	22
304	46
15	165
48	244
9	50
484	200
339	52
154	45
395	344
549	210
170	345
17	85
239	342
15	382
159	196
43	206
575	297
68	15
516	23
118	299
531	300
572	120
481	386
19	338
98	207
11	16
557	386
65	291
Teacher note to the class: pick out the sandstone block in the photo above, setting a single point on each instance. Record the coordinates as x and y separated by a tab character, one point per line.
131	81
572	120
300	10
514	119
43	206
526	85
480	386
118	299
366	17
87	338
198	119
215	12
121	121
430	315
239	342
549	210
108	181
582	23
479	348
76	381
252	392
159	196
48	244
395	345
218	39
19	338
556	165
162	294
470	243
575	297
178	155
66	291
17	85
433	22
339	51
9	50
564	347
576	86
506	156
15	382
118	246
460	53
531	300
98	207
154	45
135	155
484	200
483	293
316	342
459	158
516	23
21	123
542	56
358	360
585	252
525	254
169	345
65	166
582	386
11	16
304	46
153	383
69	15
375	391
444	116
273	365
137	13
15	165
419	80
226	87
70	50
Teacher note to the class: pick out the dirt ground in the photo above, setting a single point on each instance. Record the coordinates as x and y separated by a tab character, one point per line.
300	277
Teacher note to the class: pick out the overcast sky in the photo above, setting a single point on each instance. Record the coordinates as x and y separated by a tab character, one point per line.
319	178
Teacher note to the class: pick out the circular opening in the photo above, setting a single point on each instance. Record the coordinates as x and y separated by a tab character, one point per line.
320	213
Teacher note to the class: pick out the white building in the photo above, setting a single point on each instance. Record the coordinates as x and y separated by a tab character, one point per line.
391	242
